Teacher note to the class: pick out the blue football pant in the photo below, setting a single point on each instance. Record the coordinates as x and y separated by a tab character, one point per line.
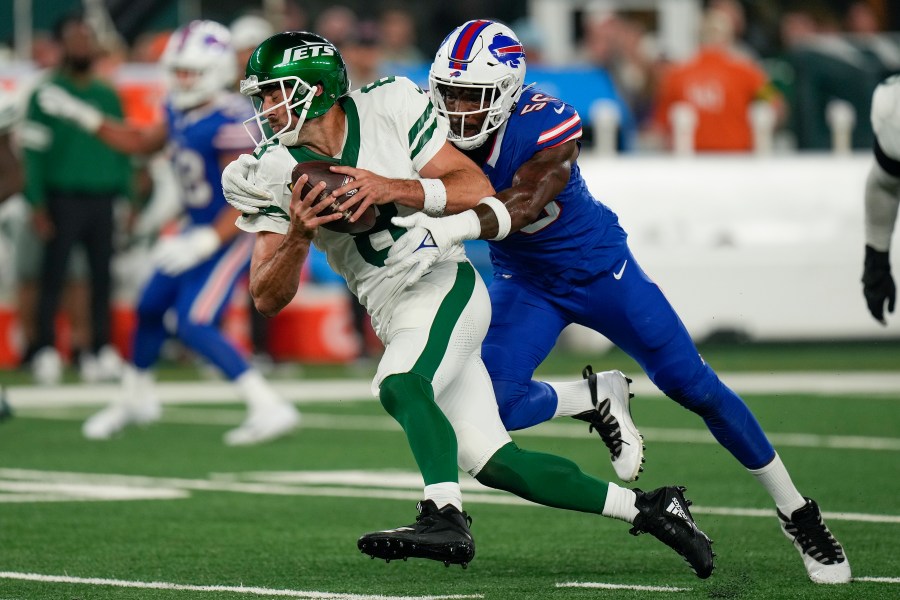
198	297
631	312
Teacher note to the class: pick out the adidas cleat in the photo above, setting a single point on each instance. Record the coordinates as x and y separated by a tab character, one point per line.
823	556
442	535
664	514
611	418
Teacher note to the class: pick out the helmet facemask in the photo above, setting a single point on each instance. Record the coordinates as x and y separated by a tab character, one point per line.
462	103
297	96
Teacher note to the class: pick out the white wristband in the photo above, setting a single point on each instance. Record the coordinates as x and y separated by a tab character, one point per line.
435	197
504	221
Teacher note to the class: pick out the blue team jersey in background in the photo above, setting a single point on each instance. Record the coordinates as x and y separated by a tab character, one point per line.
197	139
575	237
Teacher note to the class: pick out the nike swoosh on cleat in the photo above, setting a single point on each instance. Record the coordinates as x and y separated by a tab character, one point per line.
618	274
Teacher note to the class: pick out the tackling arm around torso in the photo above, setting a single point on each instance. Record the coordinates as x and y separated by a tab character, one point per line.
538	181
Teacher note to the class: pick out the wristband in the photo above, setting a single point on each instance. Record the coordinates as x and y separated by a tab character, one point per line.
435	197
504	221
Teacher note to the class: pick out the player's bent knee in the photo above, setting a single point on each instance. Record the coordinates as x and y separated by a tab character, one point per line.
400	387
696	391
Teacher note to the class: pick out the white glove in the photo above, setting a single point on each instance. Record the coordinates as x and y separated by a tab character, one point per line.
445	232
176	254
412	255
240	193
59	103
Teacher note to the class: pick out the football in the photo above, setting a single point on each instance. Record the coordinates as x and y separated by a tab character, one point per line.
318	170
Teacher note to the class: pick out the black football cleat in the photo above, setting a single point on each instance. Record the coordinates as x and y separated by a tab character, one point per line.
664	514
442	535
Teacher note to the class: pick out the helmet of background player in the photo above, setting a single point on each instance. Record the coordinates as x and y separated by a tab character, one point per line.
298	62
199	63
482	62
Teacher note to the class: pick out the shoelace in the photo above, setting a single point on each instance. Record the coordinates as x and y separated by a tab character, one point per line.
816	540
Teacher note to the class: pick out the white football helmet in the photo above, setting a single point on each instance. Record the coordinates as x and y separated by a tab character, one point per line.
200	62
481	64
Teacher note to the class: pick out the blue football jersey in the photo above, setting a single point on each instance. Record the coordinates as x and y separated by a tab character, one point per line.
197	140
575	237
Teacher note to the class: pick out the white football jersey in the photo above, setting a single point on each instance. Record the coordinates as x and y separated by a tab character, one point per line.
886	116
393	131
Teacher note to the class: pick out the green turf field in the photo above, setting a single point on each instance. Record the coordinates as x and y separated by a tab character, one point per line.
171	509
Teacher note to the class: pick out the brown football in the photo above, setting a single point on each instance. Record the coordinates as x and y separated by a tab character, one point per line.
318	170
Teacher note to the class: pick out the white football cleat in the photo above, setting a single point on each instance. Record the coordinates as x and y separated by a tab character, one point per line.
117	416
109	364
47	366
264	424
823	556
611	418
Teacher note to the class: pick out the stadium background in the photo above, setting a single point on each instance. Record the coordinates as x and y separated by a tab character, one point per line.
761	247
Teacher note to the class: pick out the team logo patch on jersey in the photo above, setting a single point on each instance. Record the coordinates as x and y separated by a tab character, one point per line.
507	50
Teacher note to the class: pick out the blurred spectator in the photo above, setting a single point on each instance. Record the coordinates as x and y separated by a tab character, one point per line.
720	86
397	28
832	66
290	15
12	179
337	24
72	181
860	17
362	54
247	32
148	47
622	47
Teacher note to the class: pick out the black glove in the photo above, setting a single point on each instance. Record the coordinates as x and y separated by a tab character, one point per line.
878	285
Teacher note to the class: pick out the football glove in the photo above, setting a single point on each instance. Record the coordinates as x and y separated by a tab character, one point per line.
240	193
176	254
412	255
878	284
59	103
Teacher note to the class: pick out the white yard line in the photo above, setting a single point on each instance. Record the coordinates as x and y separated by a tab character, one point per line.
386	485
220	417
873	384
256	591
619	586
878	579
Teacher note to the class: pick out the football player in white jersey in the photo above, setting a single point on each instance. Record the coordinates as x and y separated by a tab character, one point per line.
430	311
882	198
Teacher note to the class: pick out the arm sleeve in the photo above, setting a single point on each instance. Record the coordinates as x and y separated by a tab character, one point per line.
881	202
37	137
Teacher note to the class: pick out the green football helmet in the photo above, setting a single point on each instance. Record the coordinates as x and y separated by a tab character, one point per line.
298	62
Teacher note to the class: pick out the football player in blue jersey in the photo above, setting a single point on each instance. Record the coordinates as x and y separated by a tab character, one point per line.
197	269
561	257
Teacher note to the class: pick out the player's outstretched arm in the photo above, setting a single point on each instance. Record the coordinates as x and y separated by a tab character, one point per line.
124	137
882	199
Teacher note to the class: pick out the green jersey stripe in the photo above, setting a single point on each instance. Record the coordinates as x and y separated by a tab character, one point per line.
444	321
419	125
426	137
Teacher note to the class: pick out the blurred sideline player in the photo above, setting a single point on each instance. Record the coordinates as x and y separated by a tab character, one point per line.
882	198
560	257
196	270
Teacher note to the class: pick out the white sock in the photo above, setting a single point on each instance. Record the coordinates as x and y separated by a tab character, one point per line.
573	398
444	493
620	503
138	385
256	391
774	477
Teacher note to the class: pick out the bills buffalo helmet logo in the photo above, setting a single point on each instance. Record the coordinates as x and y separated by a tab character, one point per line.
456	74
507	50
